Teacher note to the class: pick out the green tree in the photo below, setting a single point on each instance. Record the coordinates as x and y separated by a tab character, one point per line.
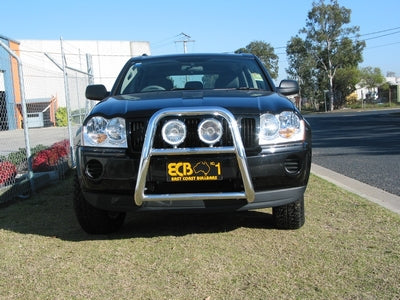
345	82
302	67
371	77
330	44
61	117
266	53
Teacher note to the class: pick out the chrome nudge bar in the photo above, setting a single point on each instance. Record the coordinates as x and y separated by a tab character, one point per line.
148	151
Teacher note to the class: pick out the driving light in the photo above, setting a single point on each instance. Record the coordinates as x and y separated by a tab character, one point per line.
174	132
280	128
210	131
101	132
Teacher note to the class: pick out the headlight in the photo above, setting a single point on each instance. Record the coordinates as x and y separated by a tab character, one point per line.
174	132
210	131
101	132
269	127
281	128
116	130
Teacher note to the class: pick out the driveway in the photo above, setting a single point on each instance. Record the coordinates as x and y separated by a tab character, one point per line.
13	140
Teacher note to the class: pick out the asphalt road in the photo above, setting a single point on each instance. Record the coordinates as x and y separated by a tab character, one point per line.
361	145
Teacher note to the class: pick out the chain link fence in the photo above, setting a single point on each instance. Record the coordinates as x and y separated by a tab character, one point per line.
37	126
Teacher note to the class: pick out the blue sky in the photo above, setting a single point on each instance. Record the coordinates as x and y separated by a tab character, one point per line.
213	25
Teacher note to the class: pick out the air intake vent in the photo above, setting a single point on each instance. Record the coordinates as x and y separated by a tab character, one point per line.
94	169
248	131
292	165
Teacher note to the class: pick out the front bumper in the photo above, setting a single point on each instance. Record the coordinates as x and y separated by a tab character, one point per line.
263	199
113	179
276	182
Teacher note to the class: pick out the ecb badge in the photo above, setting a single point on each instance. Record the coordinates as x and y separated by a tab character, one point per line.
194	171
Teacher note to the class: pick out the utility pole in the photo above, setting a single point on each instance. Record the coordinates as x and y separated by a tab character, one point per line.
185	39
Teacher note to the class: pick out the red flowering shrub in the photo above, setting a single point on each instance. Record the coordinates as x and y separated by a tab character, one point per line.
8	171
47	159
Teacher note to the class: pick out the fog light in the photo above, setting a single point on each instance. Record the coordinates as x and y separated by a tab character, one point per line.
174	132
210	131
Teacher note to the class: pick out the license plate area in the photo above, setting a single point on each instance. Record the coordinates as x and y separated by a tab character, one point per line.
194	170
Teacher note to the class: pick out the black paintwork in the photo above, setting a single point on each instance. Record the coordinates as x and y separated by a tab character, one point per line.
274	184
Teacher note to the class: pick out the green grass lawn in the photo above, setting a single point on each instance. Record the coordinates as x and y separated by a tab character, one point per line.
349	248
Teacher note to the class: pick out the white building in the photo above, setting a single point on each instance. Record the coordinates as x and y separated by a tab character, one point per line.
42	65
393	80
373	93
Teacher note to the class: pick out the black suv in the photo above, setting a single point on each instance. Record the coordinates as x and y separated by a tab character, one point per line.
191	132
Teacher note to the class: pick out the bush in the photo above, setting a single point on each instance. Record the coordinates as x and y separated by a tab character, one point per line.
351	99
8	171
44	159
61	117
47	159
19	156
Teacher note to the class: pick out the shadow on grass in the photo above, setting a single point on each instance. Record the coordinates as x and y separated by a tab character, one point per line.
50	213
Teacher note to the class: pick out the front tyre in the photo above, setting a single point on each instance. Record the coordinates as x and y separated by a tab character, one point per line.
289	216
92	219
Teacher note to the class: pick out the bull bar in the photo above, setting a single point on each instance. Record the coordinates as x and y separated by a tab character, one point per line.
149	151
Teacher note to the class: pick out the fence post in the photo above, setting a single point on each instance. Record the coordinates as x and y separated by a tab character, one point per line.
68	103
89	64
24	114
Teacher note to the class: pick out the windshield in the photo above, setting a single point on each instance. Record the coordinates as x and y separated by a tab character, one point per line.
193	74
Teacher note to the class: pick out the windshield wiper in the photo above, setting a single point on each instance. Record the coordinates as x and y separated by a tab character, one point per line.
245	88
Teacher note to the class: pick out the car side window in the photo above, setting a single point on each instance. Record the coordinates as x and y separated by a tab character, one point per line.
127	83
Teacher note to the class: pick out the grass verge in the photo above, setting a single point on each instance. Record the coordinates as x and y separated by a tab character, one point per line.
349	248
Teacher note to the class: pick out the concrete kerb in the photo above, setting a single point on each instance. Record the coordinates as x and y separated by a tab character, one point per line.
378	196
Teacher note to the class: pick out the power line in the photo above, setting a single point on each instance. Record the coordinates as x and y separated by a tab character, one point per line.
168	40
376	37
384	45
366	34
381	31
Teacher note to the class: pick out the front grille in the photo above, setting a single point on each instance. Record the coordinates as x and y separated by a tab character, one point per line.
138	132
247	131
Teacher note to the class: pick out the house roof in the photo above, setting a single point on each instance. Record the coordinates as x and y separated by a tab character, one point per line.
8	39
39	100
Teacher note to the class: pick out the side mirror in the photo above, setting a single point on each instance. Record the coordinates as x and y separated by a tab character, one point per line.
288	87
96	92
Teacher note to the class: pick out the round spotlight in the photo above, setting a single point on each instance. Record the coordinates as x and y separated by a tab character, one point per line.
174	132
210	131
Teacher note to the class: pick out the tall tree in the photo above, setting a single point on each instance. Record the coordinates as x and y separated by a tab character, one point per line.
329	42
302	67
266	53
371	77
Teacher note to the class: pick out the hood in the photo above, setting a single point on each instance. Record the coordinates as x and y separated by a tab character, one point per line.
236	101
